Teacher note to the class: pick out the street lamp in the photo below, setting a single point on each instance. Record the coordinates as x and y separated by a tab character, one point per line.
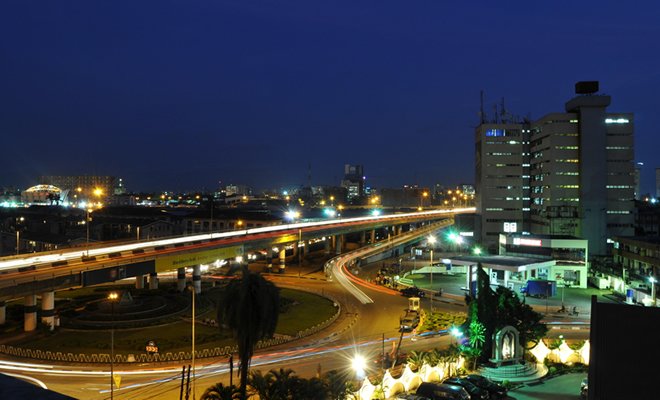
192	291
431	240
653	282
359	364
456	333
87	222
112	298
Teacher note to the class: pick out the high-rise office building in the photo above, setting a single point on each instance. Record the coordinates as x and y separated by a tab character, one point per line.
353	181
502	179
575	169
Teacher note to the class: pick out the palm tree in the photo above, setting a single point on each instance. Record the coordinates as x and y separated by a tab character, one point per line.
220	392
284	380
336	384
249	307
416	359
260	384
309	389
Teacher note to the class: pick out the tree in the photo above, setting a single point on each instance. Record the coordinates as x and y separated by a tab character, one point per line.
497	309
477	338
309	389
221	392
416	359
260	384
337	385
250	308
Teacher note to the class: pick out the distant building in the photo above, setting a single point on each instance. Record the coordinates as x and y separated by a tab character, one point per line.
638	178
237	190
353	181
567	173
77	188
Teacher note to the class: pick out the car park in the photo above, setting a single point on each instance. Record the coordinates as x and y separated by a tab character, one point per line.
475	392
496	391
439	391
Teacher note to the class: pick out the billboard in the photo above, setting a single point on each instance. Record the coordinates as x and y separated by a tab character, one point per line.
169	263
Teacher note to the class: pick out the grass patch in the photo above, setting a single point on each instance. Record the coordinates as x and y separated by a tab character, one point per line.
306	311
303	310
442	320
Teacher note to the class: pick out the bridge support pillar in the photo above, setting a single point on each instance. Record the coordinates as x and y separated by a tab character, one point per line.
197	278
153	280
30	313
270	253
327	244
373	236
181	279
48	309
339	242
282	260
363	238
399	230
3	313
139	282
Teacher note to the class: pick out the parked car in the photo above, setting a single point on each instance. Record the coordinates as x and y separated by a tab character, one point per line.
476	393
439	391
584	388
404	396
496	390
413	291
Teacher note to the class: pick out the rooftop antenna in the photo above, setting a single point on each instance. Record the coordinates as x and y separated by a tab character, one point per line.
482	117
503	115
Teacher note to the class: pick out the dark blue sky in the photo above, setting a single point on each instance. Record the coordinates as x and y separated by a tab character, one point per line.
183	94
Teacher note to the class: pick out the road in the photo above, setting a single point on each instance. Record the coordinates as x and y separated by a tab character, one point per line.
360	330
328	349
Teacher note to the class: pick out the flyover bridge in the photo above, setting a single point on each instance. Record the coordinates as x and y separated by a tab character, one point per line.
27	276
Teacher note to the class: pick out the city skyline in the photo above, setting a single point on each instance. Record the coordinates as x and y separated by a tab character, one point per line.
182	97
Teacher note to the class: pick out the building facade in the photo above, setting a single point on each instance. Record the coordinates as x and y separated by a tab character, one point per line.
502	180
89	188
566	173
353	181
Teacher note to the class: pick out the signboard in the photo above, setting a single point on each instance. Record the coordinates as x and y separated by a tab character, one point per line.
510	227
151	347
527	242
169	263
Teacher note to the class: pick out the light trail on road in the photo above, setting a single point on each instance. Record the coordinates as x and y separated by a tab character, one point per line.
13	262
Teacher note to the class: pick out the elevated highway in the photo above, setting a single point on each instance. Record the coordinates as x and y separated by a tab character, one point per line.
26	276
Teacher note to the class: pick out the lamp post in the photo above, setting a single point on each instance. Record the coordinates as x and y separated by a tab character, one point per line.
192	290
112	297
18	241
456	333
431	241
653	282
87	222
300	249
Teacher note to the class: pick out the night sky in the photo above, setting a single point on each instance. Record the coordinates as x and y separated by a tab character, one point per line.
182	95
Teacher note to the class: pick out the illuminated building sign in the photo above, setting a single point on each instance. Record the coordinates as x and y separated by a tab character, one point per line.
527	242
612	121
510	227
495	132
